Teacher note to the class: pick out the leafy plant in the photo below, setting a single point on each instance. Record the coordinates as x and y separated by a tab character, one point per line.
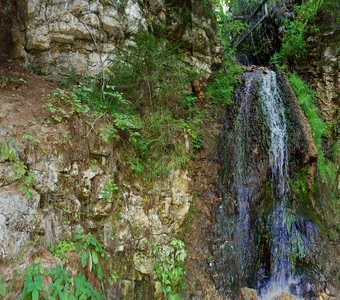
110	188
26	185
3	287
19	169
170	267
27	137
61	99
84	290
90	250
61	249
8	150
61	285
114	277
57	113
33	283
8	79
108	133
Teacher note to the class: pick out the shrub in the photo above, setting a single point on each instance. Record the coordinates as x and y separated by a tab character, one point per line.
3	287
90	250
145	102
62	249
170	267
61	285
150	72
294	44
8	150
109	190
160	147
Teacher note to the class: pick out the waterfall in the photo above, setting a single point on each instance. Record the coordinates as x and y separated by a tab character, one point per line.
257	239
274	112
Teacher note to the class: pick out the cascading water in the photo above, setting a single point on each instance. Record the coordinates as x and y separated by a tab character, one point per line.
274	113
256	235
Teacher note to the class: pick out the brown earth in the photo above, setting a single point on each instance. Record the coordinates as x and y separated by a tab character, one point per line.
198	227
21	97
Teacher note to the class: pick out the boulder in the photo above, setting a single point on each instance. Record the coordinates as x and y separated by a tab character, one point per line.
18	216
248	294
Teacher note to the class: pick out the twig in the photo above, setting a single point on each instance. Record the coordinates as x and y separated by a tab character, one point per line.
94	122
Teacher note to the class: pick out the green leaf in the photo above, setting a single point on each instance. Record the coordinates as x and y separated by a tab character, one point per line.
84	257
90	262
35	294
94	257
99	272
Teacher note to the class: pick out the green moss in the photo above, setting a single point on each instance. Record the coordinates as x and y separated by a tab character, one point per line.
303	193
221	88
319	128
260	213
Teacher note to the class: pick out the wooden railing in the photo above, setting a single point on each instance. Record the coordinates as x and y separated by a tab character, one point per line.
260	14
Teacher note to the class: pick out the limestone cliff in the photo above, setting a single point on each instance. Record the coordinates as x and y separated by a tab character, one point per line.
53	177
60	37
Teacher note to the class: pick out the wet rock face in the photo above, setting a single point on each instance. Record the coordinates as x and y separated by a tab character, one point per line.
302	149
61	37
243	146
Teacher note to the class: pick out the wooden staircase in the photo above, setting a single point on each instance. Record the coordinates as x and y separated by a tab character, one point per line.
260	15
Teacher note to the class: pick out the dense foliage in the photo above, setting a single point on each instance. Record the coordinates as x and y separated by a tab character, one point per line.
222	84
150	72
146	102
294	44
170	267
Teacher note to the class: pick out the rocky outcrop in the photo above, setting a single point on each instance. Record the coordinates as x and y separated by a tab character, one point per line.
301	146
321	66
17	220
53	178
61	37
68	193
8	9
